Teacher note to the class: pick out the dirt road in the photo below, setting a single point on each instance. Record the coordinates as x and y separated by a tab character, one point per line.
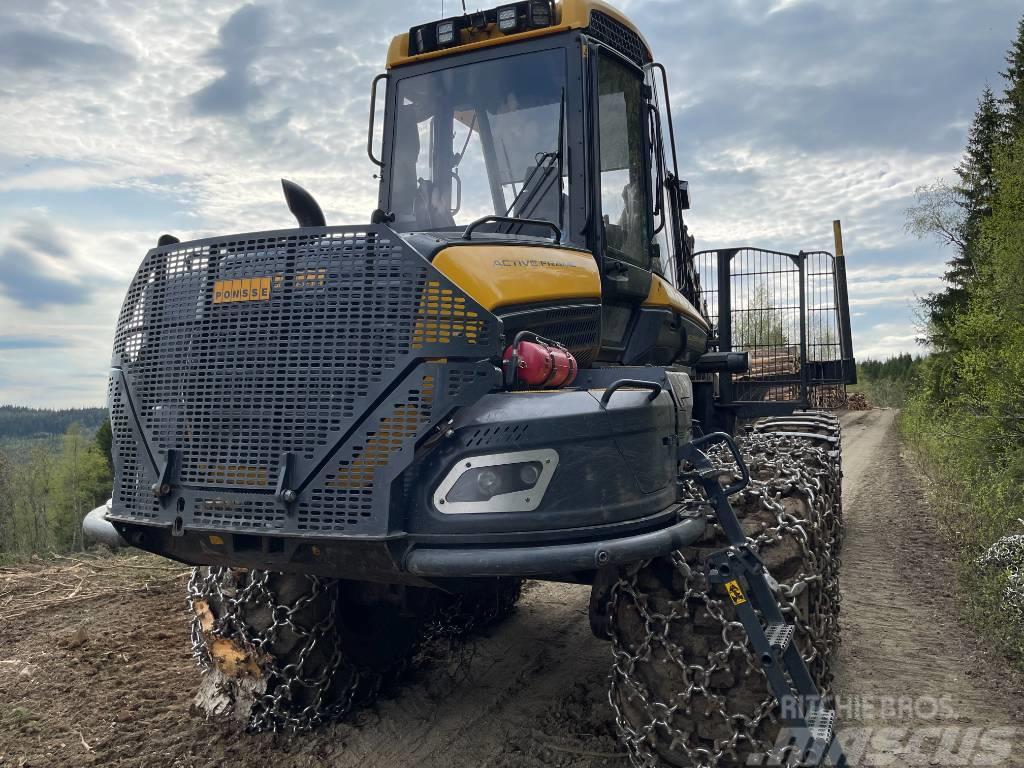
103	676
914	687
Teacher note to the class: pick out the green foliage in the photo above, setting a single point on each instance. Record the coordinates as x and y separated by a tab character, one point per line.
899	368
45	495
886	383
953	215
1013	101
760	323
965	413
105	442
20	422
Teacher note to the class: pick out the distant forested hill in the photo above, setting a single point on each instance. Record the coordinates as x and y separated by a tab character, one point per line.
18	422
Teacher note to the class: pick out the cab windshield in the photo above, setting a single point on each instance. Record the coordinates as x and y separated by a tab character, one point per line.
481	139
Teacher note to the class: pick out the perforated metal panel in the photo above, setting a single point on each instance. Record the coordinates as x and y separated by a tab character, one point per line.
302	348
578	327
620	37
134	474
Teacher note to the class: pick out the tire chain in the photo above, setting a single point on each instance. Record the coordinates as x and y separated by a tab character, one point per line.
778	463
468	614
238	592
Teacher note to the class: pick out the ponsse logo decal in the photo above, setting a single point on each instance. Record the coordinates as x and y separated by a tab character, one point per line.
534	263
250	289
260	288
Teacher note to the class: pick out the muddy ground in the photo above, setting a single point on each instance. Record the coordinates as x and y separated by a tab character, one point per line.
96	670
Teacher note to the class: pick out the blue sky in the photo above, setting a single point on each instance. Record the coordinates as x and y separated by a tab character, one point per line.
124	119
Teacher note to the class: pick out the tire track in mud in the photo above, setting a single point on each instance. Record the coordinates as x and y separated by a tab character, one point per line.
527	666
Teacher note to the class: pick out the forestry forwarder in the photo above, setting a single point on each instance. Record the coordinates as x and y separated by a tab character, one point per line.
513	371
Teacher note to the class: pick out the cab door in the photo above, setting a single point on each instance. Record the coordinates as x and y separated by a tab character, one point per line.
621	194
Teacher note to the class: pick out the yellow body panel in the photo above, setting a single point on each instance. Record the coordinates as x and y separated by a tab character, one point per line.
569	14
503	275
662	294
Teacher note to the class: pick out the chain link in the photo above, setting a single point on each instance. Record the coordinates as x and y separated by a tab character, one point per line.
314	681
317	684
782	467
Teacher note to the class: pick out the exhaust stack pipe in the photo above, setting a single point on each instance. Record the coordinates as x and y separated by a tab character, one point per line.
303	205
97	528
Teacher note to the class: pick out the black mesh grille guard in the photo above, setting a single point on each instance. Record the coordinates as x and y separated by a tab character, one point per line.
311	353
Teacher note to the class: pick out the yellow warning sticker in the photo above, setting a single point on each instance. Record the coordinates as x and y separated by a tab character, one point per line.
735	592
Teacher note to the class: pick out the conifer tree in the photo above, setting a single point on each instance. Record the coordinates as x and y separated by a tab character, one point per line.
1013	101
973	194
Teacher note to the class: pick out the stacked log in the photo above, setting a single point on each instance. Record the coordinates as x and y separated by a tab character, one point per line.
858	402
774	361
829	397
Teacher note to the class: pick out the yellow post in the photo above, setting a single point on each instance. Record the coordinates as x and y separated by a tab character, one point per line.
837	232
843	307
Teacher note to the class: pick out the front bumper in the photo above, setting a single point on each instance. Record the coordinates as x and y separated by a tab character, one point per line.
554	559
408	559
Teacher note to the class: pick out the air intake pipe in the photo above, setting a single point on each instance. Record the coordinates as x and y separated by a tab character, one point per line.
97	528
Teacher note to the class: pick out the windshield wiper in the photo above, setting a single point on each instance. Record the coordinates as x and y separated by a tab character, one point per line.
546	161
543	166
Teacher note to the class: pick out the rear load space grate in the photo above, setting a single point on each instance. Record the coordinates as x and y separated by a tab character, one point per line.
782	310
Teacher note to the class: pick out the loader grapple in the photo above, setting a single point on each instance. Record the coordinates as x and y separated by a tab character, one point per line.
278	381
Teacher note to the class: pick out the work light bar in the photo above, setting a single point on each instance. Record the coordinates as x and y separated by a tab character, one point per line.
507	19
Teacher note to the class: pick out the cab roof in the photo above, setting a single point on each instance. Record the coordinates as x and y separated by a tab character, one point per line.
569	14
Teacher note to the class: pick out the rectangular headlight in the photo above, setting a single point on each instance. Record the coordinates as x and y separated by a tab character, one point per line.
508	19
503	482
540	14
446	33
422	39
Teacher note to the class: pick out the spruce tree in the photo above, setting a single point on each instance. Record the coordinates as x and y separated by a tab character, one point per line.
1013	101
974	193
977	185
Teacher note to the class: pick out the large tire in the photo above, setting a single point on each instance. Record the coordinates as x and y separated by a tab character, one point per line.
686	688
486	603
289	652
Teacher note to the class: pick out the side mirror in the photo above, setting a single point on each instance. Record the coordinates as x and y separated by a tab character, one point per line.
682	191
656	263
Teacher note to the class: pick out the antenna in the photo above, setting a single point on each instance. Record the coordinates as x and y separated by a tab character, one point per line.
464	7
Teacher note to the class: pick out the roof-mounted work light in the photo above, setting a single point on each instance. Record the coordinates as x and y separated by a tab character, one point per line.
509	19
446	33
532	14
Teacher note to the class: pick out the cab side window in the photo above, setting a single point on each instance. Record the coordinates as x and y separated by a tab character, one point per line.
663	252
623	185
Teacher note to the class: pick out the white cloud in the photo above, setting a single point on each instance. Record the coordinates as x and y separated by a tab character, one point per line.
884	347
789	113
